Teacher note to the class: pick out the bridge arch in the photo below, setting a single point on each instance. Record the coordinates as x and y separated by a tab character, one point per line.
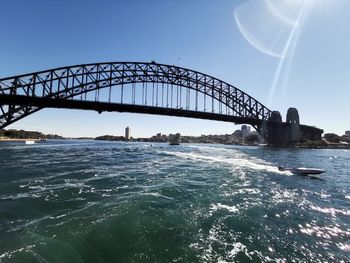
94	86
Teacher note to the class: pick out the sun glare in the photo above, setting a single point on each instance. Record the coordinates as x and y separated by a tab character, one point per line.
268	25
273	27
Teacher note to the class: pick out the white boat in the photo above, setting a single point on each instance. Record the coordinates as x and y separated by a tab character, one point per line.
302	170
30	142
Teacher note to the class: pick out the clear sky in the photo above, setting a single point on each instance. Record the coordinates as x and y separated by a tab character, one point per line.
284	53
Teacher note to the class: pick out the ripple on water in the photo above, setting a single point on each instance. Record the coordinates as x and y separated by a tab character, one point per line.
331	210
191	203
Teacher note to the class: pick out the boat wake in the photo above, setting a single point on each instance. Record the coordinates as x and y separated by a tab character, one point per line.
233	158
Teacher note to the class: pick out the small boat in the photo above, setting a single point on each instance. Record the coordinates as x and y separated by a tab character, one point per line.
301	170
30	142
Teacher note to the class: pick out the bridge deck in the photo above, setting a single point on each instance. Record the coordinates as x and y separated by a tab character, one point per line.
118	107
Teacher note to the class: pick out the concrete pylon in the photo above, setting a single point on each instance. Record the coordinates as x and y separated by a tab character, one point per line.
274	129
293	125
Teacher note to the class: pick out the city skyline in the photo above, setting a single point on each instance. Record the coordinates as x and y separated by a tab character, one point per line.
311	75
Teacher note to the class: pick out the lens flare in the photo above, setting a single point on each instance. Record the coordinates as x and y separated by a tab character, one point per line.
269	24
277	11
273	27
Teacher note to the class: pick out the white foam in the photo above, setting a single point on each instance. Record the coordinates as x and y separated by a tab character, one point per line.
19	196
59	216
232	209
249	191
237	247
236	160
9	254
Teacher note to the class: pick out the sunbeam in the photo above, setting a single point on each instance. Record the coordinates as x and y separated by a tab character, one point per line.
275	31
272	7
273	24
292	40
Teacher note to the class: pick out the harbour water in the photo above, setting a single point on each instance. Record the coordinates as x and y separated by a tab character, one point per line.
89	201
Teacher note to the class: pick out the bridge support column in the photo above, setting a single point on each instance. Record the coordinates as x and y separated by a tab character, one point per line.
284	133
294	125
275	130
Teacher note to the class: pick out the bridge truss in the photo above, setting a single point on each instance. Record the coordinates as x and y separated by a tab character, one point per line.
129	87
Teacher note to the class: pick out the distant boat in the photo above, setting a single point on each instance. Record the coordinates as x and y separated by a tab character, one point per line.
29	142
174	143
301	170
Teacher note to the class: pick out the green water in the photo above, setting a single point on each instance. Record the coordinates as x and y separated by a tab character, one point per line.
86	201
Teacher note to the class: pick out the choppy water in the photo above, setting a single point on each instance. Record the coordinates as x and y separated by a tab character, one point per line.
86	201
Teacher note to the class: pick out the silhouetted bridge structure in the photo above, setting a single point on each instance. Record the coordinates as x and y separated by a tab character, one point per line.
138	87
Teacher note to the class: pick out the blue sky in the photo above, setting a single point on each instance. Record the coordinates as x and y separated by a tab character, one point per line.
230	40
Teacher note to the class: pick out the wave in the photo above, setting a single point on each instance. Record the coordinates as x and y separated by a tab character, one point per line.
330	210
215	207
10	254
236	160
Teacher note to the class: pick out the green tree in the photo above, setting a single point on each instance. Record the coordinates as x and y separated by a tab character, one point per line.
332	137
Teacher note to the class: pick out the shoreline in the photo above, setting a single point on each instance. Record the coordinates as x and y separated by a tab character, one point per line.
2	139
323	146
329	146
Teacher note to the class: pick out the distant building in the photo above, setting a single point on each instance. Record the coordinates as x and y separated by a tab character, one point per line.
175	139
127	133
245	130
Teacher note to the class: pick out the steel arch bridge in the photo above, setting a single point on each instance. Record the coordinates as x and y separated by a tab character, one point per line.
139	87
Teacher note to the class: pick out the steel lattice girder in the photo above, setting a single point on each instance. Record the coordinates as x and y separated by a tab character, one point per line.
70	82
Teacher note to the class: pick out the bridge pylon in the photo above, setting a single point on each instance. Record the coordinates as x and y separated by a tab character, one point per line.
277	132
